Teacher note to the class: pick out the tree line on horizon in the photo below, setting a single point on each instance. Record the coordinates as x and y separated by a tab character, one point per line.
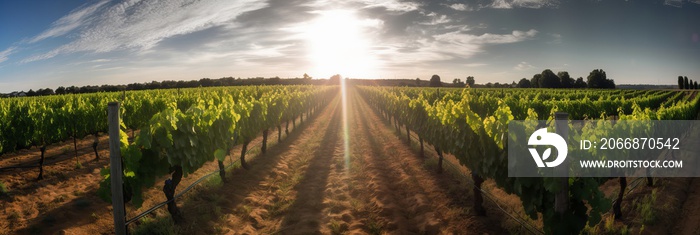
169	84
546	79
597	79
685	84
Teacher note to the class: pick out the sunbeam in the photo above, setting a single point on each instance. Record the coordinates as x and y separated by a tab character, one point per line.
346	134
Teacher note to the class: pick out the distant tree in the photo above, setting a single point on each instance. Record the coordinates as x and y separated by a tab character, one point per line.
681	84
470	81
61	90
417	81
549	80
489	85
598	79
610	84
88	89
580	83
435	81
566	80
156	84
204	82
535	81
513	84
524	83
686	85
72	90
306	77
31	92
47	91
110	88
458	82
696	85
136	86
335	79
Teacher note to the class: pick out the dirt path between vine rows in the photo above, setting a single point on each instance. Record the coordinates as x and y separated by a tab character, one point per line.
319	185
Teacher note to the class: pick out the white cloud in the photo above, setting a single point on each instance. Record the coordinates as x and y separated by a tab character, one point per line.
461	7
679	3
556	38
138	25
436	20
523	66
100	60
7	52
447	46
501	4
674	3
457	38
516	36
473	65
69	22
508	4
392	5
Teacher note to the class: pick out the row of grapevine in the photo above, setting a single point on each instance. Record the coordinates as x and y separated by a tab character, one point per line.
585	103
41	121
472	126
178	140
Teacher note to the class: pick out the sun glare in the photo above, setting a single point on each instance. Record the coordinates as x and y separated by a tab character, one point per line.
338	45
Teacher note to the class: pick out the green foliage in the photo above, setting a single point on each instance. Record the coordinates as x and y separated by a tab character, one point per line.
161	225
3	189
472	125
645	208
192	127
39	121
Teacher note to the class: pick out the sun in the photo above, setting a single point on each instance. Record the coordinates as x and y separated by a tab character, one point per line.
338	44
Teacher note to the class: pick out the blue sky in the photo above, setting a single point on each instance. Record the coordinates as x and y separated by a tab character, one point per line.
63	43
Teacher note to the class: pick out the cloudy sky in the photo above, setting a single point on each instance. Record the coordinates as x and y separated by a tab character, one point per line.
47	43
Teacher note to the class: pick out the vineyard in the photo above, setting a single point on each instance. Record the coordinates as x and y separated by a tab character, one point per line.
470	125
334	167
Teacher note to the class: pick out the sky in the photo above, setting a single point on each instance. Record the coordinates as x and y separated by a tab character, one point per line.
47	43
